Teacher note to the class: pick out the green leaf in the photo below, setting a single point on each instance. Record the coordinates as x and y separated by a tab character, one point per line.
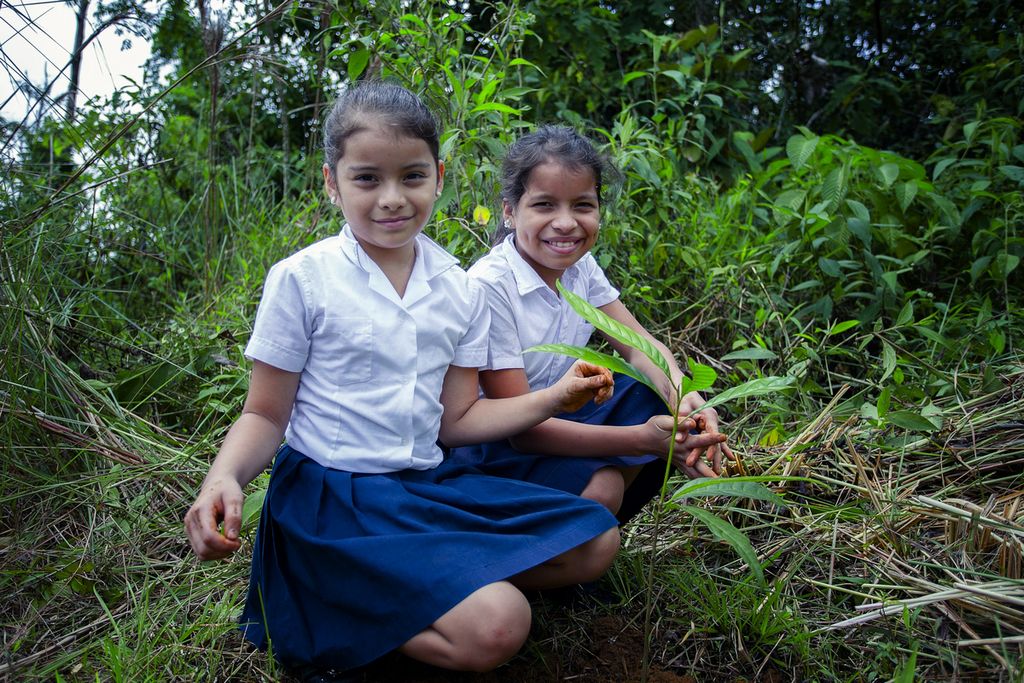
613	363
799	149
614	329
969	130
911	420
905	193
829	266
942	166
934	336
1004	264
737	487
1014	173
741	144
701	376
725	531
754	387
859	228
884	399
495	106
978	267
888	360
252	507
843	326
633	75
859	210
357	62
752	353
889	173
906	314
834	187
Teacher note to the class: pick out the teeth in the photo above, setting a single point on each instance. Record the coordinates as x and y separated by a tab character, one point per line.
561	245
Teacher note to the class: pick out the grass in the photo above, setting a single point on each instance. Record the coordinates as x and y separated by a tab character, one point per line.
889	551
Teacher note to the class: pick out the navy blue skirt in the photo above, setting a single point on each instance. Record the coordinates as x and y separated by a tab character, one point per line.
632	403
347	567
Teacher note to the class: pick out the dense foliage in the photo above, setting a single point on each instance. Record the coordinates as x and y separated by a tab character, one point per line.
827	191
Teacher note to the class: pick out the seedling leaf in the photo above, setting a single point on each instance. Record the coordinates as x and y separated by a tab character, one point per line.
613	363
724	531
613	328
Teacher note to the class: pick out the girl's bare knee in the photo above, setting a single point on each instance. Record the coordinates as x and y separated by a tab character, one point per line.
606	487
502	623
597	555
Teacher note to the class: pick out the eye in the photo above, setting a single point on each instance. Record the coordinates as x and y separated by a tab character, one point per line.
415	176
364	178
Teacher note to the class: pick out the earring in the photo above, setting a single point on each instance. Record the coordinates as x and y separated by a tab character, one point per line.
507	224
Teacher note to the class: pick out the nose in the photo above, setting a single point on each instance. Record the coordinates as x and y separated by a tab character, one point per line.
391	197
564	221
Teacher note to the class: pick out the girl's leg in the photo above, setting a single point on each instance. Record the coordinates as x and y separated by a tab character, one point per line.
606	486
584	563
480	633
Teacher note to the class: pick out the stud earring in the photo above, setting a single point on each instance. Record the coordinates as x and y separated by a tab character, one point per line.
507	224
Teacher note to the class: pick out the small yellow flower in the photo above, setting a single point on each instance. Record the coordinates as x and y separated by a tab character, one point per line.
481	214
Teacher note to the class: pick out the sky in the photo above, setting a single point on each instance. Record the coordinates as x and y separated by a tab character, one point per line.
36	38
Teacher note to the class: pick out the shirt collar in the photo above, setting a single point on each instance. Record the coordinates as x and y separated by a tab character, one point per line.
527	279
431	261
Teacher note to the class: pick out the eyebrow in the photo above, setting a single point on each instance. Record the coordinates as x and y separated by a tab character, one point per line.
547	195
373	167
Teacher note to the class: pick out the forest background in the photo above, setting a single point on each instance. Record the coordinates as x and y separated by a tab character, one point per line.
825	191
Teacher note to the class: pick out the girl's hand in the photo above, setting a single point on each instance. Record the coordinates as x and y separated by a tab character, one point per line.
219	505
706	421
582	382
658	433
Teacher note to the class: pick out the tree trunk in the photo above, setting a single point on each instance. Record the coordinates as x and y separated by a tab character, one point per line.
71	98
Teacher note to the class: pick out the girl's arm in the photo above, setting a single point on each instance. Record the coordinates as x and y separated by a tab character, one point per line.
573	439
248	448
468	419
707	420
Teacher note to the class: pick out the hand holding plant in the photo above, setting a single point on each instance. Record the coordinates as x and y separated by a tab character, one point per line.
657	437
581	383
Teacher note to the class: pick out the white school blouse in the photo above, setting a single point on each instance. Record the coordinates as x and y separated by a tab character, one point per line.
372	363
526	312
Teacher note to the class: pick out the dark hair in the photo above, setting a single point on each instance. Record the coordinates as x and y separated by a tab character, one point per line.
559	144
382	103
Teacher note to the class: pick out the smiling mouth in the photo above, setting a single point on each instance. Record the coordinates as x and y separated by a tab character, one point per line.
563	245
393	221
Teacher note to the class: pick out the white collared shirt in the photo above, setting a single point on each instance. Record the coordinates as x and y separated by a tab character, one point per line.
372	363
526	312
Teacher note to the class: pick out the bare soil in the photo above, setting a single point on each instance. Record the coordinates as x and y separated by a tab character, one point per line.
610	650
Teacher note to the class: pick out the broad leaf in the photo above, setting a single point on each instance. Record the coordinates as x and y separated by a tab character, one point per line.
724	531
736	487
799	149
614	329
755	387
252	507
911	420
888	360
613	363
843	326
701	376
905	193
752	353
888	173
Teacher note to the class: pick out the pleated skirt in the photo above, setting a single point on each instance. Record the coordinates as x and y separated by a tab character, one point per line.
632	403
347	567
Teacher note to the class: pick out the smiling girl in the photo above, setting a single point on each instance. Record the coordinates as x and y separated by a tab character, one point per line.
552	181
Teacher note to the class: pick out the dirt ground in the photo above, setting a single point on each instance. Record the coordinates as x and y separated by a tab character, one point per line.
611	652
